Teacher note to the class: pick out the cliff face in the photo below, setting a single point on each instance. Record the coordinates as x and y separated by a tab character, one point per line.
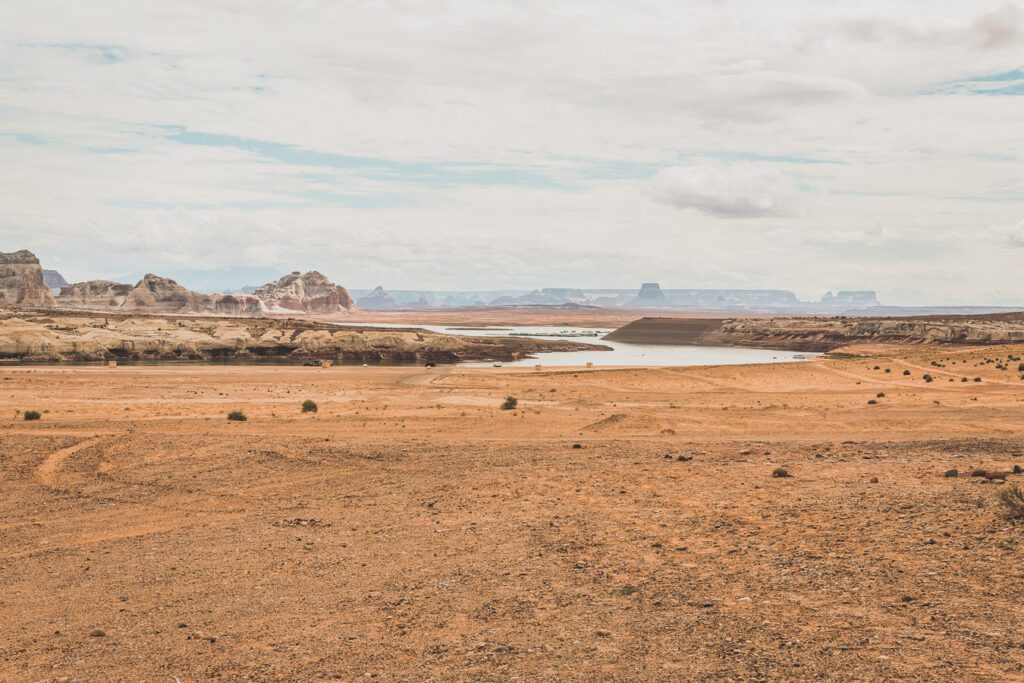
151	293
95	336
310	292
160	294
93	294
21	281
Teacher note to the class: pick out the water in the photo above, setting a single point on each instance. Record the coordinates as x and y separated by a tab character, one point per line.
623	354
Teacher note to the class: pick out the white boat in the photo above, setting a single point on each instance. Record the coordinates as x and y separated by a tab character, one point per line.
497	364
799	356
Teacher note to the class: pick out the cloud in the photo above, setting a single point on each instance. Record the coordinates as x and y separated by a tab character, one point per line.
726	190
1000	28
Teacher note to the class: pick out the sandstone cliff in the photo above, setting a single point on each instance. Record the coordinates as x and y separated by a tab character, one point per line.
92	336
151	294
311	292
21	281
95	294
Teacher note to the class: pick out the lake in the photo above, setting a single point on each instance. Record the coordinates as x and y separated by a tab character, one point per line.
623	354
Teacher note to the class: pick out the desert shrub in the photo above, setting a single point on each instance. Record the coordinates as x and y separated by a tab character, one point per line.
32	415
927	378
888	370
1013	500
309	406
1020	368
510	403
906	373
977	379
880	394
872	402
237	416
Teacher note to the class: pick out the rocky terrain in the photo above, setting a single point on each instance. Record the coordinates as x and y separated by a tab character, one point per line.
617	525
21	281
310	292
87	336
824	334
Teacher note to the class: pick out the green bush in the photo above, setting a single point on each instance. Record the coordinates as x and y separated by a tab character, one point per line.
309	406
32	415
510	403
237	416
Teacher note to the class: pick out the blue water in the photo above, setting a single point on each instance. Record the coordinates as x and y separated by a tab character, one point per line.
622	354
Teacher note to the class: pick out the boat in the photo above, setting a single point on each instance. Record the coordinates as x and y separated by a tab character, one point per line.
497	363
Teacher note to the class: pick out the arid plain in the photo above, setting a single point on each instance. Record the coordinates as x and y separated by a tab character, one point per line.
619	524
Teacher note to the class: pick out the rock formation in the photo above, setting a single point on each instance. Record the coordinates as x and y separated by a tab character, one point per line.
163	295
151	294
94	294
237	304
378	300
84	336
21	281
650	295
311	292
54	280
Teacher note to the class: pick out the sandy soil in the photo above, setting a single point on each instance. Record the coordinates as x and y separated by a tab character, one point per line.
412	530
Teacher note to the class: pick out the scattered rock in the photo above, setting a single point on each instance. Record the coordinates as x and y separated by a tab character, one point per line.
577	445
97	633
627	590
601	633
951	473
781	473
684	458
745	451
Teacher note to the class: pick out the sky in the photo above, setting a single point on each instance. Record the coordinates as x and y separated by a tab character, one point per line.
796	145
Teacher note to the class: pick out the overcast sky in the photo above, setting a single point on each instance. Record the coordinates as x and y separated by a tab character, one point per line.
491	145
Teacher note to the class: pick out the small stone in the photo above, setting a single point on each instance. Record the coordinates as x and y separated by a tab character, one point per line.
577	445
745	451
781	472
1017	469
601	633
684	458
627	590
952	473
97	633
874	480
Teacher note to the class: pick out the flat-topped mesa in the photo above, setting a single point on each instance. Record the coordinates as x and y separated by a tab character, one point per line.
21	281
310	292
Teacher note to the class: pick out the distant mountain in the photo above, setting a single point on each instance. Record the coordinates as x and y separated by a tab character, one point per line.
54	280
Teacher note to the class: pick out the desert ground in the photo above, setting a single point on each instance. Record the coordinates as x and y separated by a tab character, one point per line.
618	524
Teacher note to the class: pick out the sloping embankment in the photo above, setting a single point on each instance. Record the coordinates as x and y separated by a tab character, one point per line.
61	336
824	334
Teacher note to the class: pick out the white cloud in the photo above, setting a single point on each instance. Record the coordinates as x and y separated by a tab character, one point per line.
728	190
564	113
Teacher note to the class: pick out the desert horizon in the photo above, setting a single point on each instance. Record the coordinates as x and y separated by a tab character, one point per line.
511	341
